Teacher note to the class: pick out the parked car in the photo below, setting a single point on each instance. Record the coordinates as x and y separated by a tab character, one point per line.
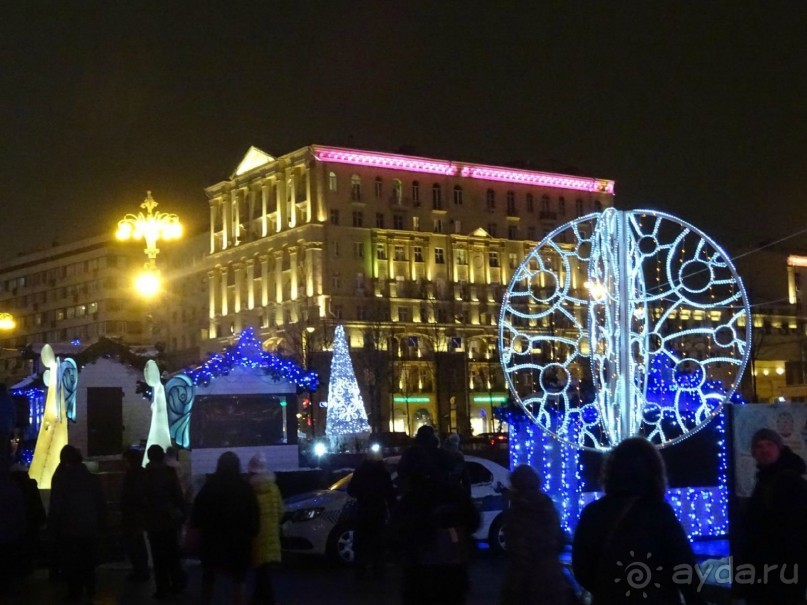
318	522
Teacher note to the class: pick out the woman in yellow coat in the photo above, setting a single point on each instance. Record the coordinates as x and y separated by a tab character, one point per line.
266	547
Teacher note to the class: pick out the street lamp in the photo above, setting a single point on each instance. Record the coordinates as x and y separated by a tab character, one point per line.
7	321
152	227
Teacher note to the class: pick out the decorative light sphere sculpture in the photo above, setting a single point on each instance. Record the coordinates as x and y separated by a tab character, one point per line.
600	301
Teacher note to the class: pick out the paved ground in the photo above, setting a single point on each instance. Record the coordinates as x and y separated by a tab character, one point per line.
298	582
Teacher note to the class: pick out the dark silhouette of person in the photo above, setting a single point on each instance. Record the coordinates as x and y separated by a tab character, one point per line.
423	457
775	525
534	541
12	533
227	516
371	486
132	511
163	515
433	525
8	423
633	526
457	470
35	517
76	518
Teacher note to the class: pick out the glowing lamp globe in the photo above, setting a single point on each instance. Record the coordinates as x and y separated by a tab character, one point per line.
600	302
148	284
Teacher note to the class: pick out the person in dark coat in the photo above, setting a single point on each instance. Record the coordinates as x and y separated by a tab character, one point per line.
35	517
633	528
163	516
132	512
8	422
423	457
534	541
457	470
372	487
433	525
12	534
76	519
775	524
227	516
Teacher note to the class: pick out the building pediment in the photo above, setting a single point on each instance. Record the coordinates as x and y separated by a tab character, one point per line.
253	158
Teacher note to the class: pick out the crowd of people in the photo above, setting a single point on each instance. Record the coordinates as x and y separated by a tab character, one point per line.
233	524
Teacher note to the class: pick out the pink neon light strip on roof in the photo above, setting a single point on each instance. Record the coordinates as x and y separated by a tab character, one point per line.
384	160
474	171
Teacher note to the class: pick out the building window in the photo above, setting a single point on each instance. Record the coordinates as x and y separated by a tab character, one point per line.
438	225
461	256
531	233
404	314
381	252
358	250
397	191
335	281
334	216
361	313
418	251
355	188
336	310
379	220
398	253
397	221
335	248
457	225
332	181
512	232
598	205
415	223
377	187
439	256
493	259
578	206
437	197
358	218
490	200
530	203
561	206
545	203
513	260
458	196
511	203
492	229
416	193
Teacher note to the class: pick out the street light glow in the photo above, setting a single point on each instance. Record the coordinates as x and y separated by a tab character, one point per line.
148	283
7	321
152	227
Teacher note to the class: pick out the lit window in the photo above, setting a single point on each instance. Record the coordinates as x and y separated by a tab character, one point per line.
418	252
458	196
355	188
398	253
437	197
438	225
332	181
439	256
404	314
493	259
415	223
461	255
397	190
381	252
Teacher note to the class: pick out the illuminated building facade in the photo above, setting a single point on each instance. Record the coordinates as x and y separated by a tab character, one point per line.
411	254
71	292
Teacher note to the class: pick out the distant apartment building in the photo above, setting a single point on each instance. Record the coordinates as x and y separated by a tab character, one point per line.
411	254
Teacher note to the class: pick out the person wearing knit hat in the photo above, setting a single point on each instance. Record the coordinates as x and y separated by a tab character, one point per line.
266	545
774	527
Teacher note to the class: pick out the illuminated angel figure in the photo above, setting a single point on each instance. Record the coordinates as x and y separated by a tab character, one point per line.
602	300
158	433
61	381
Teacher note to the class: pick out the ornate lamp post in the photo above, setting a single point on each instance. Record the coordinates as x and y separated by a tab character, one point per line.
152	227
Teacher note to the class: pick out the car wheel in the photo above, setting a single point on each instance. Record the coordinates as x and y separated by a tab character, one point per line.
340	545
496	536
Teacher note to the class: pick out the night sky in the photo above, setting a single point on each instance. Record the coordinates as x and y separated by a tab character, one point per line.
695	108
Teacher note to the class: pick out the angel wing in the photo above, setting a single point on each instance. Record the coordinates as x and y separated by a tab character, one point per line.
179	393
68	387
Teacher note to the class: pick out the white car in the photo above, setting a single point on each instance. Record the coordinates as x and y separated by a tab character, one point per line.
318	522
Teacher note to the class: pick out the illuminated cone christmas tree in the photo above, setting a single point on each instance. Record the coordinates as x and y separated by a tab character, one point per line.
346	413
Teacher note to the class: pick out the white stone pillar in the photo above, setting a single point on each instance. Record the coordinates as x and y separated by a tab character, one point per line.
250	265
264	279
224	297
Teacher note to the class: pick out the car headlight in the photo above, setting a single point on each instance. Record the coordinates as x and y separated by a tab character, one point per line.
306	514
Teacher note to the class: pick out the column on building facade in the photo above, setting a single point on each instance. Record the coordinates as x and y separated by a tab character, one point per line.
224	298
213	204
291	199
278	276
250	266
264	279
264	208
211	288
280	201
238	271
236	216
294	269
226	221
308	261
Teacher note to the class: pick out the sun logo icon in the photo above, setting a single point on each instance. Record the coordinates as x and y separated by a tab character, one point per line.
638	575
